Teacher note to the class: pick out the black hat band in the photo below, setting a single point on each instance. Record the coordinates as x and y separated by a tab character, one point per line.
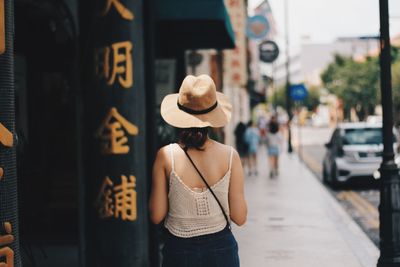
197	112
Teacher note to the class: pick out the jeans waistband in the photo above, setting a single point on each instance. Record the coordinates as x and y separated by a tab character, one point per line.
223	233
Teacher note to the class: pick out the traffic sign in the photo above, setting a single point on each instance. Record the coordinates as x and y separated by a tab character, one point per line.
257	27
298	92
269	51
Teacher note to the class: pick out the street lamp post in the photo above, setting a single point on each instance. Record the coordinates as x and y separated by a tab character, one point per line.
288	100
389	208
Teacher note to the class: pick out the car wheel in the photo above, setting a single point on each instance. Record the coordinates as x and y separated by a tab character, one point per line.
325	179
334	177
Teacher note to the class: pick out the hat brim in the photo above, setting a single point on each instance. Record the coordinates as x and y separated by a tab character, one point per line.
216	118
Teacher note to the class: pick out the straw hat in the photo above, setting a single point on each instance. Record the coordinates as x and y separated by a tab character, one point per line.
197	105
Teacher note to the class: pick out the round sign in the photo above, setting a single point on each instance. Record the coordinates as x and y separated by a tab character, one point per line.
269	51
195	58
257	27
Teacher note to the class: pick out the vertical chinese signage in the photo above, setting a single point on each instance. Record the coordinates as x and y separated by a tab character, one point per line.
115	116
235	61
9	247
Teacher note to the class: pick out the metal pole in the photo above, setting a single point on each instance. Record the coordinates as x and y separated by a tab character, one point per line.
389	208
288	100
298	108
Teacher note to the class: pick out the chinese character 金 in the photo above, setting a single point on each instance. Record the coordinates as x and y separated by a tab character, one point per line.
125	199
121	9
7	252
112	134
122	65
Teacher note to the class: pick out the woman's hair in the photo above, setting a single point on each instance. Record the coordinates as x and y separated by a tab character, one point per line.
193	137
273	127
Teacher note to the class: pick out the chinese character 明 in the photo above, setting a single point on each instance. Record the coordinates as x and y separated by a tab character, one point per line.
125	59
121	9
6	252
125	199
112	134
104	200
102	56
6	137
122	65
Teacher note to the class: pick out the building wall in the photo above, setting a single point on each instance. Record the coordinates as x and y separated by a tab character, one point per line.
240	112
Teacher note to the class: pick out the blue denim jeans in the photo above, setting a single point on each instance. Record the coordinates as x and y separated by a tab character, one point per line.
213	250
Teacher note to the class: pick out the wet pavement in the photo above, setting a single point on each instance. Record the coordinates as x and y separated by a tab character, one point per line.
360	198
294	221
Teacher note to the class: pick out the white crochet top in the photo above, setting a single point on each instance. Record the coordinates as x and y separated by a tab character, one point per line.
194	213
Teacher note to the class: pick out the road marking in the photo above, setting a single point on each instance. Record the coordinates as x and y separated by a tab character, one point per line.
314	165
366	209
368	212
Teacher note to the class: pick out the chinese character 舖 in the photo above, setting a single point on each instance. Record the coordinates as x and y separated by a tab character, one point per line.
104	200
125	199
118	201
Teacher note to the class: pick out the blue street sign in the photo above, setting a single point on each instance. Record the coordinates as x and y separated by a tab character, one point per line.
298	92
257	27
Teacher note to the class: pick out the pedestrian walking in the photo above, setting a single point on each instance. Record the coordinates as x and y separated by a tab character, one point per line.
252	138
197	184
241	145
274	142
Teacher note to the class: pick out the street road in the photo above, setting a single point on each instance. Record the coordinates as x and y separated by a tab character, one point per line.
360	200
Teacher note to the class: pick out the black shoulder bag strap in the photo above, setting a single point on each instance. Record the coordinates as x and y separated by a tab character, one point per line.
209	188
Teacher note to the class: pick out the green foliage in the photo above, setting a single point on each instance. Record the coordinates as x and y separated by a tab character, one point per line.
356	83
279	97
311	102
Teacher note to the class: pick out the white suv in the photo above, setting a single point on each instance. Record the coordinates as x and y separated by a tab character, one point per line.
354	151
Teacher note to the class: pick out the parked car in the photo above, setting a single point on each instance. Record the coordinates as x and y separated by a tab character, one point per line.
354	151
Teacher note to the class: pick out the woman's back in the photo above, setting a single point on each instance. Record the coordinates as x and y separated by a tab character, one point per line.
193	210
213	163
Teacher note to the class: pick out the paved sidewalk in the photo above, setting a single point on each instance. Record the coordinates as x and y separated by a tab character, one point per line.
293	221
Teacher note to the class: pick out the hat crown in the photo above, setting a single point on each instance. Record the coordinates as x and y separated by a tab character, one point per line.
197	93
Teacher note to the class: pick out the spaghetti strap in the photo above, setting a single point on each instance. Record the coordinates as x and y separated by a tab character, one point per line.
230	159
172	157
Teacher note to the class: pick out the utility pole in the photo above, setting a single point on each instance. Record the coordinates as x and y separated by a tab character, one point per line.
389	207
288	100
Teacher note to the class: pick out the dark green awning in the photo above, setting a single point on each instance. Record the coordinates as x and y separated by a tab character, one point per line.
195	24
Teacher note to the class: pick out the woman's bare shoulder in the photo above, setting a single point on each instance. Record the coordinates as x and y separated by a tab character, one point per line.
163	152
226	147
